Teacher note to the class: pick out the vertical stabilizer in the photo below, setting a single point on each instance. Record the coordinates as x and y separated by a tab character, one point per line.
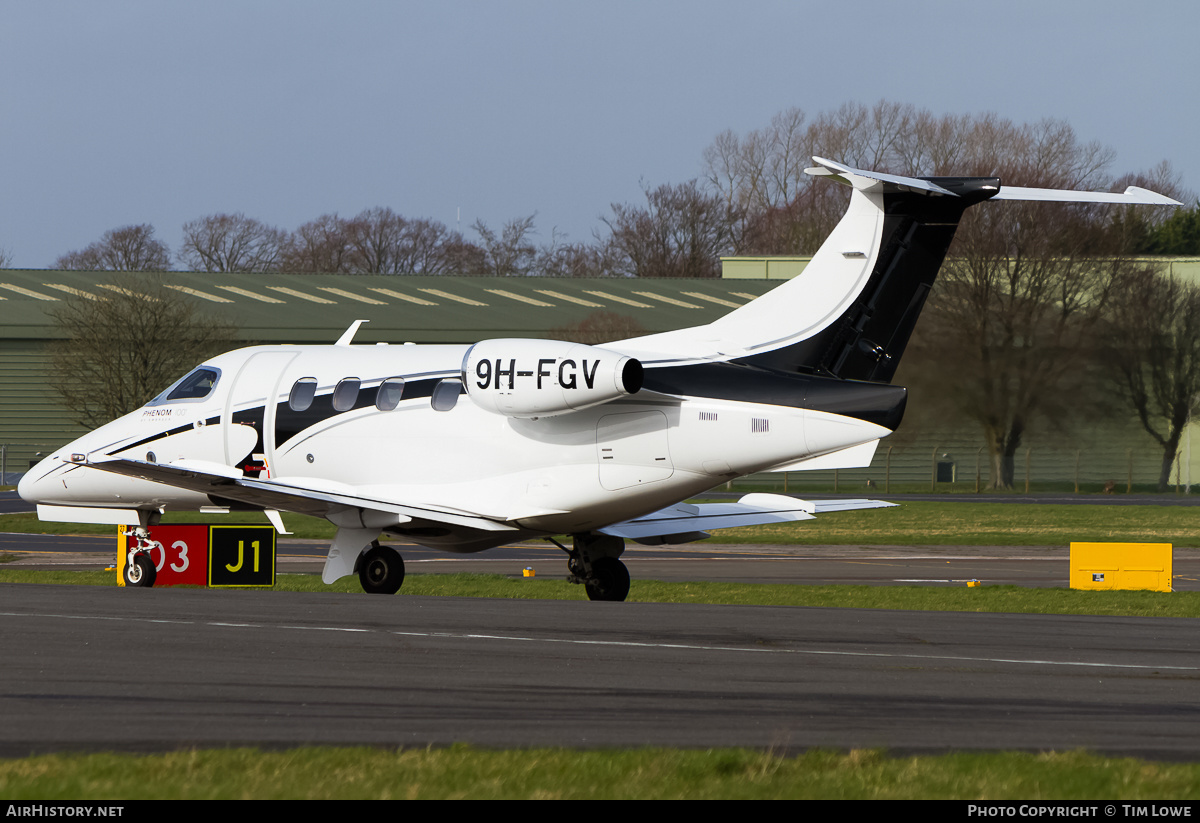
849	315
867	338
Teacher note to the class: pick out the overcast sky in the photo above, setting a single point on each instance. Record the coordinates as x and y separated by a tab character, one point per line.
121	112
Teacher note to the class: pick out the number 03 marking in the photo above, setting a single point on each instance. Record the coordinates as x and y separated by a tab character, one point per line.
183	557
179	566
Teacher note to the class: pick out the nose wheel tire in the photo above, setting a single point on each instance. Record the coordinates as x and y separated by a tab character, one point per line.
140	571
381	570
609	580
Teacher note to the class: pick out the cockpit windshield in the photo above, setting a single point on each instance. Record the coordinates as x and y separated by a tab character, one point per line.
196	385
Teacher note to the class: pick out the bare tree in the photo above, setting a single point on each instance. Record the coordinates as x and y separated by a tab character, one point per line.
379	241
123	346
463	257
1154	354
512	251
320	245
1022	289
5	258
680	232
130	248
231	242
561	259
426	247
763	170
374	238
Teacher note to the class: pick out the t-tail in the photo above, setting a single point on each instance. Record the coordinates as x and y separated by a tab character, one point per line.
849	315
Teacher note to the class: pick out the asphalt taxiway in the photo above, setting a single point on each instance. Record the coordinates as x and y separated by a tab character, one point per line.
154	669
858	565
89	668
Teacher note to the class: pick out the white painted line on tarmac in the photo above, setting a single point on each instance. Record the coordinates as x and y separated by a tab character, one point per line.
628	643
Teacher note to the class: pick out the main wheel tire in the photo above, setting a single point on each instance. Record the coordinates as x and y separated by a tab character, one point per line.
140	572
611	580
381	570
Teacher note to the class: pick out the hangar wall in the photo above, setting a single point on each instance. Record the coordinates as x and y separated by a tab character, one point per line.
290	308
316	309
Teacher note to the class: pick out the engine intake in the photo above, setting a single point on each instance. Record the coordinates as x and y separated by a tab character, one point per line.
542	378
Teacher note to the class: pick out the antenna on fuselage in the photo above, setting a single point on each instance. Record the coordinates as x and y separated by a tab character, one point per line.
348	335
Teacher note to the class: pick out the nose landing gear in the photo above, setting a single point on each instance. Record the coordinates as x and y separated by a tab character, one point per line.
139	568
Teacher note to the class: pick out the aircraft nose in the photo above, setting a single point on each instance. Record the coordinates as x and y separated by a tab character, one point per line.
32	485
27	487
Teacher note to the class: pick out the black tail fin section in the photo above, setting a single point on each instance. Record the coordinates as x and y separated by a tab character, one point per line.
868	339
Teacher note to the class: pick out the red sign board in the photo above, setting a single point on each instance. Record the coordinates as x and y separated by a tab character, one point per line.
184	559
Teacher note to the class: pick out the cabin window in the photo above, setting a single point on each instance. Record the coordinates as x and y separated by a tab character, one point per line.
345	394
302	394
445	395
195	385
390	393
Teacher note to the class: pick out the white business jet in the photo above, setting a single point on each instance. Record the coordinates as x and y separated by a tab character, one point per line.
464	448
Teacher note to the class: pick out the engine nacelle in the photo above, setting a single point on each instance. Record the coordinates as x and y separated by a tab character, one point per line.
542	378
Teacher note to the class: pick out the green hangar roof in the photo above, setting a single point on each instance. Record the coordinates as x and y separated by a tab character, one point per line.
314	308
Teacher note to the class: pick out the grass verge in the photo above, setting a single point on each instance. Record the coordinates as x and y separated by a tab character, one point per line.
1002	599
465	772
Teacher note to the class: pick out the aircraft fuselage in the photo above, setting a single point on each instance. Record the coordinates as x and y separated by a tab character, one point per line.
568	472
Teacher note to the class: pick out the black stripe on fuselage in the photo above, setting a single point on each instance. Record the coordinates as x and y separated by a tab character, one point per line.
289	422
212	421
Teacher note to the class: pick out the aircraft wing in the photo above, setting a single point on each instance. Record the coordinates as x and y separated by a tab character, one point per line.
300	495
685	522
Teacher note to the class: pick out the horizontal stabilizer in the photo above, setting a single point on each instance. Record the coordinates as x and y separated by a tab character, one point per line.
849	504
1131	196
688	521
873	180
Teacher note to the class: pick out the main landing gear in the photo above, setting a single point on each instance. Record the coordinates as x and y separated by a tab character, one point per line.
381	569
593	561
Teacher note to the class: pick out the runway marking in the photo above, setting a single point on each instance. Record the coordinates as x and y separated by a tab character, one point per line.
932	580
825	652
620	643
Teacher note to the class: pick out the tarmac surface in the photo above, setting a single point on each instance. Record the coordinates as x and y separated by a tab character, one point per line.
90	668
857	565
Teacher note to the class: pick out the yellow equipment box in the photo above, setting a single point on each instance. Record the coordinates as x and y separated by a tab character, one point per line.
1121	566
